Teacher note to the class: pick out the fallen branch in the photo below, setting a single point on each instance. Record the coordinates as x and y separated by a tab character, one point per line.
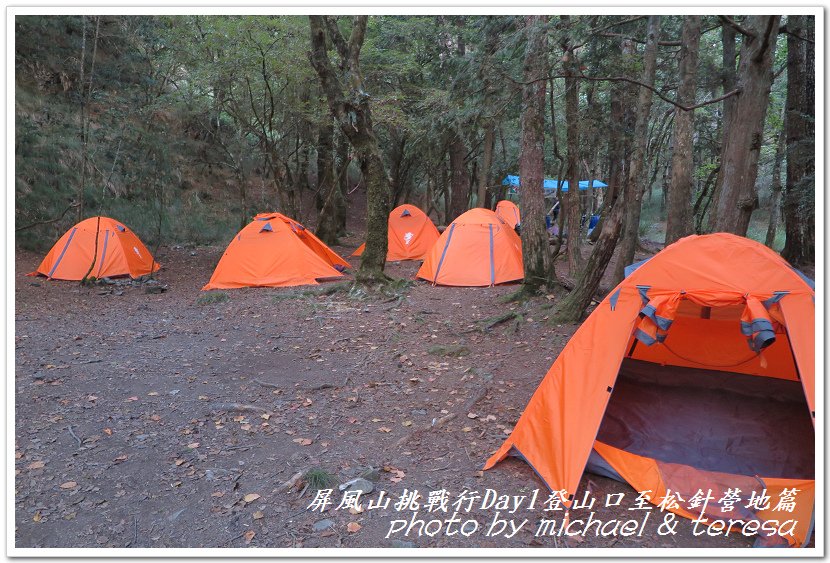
237	407
292	481
75	436
266	384
490	322
471	402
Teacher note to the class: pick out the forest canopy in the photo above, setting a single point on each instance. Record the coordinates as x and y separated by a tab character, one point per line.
186	126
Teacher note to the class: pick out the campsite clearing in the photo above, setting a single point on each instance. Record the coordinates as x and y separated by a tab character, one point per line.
167	414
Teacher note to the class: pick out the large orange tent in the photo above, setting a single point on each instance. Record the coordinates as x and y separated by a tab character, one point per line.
477	249
508	212
411	234
119	252
696	372
275	251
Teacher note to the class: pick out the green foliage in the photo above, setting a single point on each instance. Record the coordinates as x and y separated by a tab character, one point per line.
198	121
212	298
318	478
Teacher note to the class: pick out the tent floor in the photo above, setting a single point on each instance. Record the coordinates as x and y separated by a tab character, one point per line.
711	420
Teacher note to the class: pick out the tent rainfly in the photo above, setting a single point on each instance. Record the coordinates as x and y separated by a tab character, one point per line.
411	234
275	251
696	373
477	249
118	252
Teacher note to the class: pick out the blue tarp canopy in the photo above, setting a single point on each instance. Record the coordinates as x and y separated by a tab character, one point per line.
551	184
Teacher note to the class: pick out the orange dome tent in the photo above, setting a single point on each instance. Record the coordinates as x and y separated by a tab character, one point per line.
411	234
275	251
696	373
508	212
119	253
477	249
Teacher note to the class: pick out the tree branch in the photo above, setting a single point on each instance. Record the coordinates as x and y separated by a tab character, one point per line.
659	94
785	29
47	221
337	38
741	29
356	39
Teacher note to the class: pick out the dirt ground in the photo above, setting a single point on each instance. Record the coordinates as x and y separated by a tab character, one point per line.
154	420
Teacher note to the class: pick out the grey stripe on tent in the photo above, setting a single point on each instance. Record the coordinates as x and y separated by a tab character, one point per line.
776	297
644	338
614	298
443	253
104	251
492	259
631	267
807	280
757	325
65	247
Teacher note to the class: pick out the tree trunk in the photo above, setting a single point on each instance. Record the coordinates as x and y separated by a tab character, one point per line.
634	181
573	307
775	187
349	103
459	178
538	266
571	199
679	198
729	77
735	194
334	204
486	164
343	165
799	197
620	135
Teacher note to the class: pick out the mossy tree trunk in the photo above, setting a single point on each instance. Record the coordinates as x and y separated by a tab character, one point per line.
334	204
349	103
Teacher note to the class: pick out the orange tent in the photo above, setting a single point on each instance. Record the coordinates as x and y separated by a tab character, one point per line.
508	212
275	251
119	253
696	372
477	249
411	234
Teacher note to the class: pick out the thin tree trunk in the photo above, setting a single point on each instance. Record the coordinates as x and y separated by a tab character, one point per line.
634	182
83	127
334	204
735	194
571	199
679	198
620	136
343	163
775	188
486	164
729	77
459	178
538	266
799	197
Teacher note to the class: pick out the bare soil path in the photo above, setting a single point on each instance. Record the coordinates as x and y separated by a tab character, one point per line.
151	420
